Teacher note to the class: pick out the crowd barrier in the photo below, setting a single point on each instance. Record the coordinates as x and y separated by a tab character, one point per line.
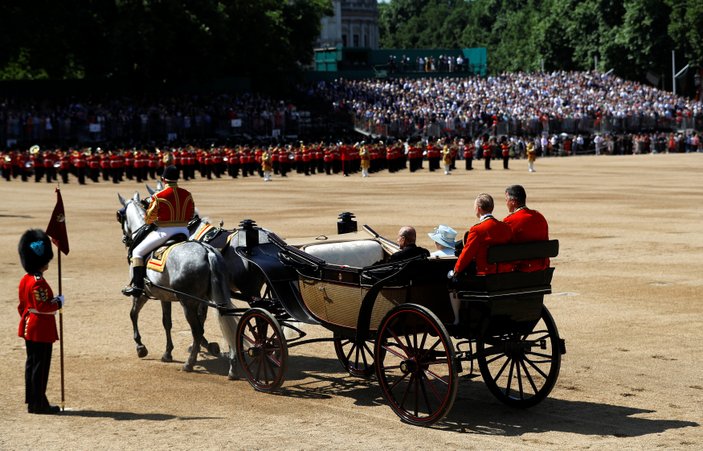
632	124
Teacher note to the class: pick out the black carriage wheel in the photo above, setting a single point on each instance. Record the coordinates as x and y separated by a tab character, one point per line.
415	365
520	369
357	360
262	349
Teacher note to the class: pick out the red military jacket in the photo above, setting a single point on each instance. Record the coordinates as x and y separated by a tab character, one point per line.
528	225
481	236
171	207
36	309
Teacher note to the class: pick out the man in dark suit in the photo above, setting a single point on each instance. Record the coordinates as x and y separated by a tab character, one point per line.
408	249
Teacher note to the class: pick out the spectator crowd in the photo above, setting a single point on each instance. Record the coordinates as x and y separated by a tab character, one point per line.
426	123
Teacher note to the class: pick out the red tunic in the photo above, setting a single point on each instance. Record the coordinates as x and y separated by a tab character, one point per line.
481	236
171	207
36	309
528	225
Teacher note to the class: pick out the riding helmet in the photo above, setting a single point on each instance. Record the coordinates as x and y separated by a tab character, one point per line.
170	174
35	250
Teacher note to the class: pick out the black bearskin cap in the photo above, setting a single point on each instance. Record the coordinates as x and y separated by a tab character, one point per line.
170	174
35	250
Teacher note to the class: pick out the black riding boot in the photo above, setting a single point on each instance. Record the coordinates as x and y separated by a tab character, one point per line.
136	286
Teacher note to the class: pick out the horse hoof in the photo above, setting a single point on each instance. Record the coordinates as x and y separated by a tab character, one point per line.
188	368
214	349
232	376
142	351
167	358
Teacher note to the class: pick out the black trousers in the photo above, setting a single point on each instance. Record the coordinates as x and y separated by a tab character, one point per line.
36	374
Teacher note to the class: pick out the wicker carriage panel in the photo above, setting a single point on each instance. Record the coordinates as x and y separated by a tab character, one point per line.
333	303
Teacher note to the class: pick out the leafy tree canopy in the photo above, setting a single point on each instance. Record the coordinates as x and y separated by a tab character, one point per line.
156	40
632	37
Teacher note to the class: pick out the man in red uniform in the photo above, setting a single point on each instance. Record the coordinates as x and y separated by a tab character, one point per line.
488	232
170	211
37	306
526	225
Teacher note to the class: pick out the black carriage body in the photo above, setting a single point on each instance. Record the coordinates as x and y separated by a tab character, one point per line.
398	320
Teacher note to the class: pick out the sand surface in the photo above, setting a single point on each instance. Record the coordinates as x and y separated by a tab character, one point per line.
627	297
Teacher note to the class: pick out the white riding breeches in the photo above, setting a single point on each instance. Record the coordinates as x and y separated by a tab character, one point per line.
155	239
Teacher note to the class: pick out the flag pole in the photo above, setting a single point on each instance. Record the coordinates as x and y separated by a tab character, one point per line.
63	397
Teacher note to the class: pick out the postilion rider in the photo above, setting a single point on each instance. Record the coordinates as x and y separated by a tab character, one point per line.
169	211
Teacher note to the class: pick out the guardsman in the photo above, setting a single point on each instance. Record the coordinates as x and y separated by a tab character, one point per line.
232	162
217	164
469	148
486	148
49	165
139	164
94	167
37	307
21	162
153	163
78	160
284	160
6	166
505	151
37	159
105	168
64	165
128	164
116	166
328	160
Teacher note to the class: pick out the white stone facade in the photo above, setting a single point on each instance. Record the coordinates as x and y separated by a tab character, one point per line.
354	24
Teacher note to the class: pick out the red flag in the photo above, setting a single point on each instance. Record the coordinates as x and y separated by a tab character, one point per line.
57	225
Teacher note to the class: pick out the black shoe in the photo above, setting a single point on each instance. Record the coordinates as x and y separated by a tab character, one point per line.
46	410
129	291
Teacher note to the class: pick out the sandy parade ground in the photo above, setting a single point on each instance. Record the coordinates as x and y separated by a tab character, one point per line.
627	297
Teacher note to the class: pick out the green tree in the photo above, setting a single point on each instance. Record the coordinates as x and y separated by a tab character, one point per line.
156	40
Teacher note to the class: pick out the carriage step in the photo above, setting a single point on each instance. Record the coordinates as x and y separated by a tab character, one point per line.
562	346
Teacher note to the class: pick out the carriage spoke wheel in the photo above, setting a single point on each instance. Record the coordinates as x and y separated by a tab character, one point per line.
520	369
357	360
262	349
415	365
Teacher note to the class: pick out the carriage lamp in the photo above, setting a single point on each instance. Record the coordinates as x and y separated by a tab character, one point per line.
249	236
346	223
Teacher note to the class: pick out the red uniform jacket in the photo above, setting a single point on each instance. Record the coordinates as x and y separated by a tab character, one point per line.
171	207
36	309
528	225
481	236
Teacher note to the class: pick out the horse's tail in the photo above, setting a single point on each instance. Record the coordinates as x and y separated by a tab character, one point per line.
219	293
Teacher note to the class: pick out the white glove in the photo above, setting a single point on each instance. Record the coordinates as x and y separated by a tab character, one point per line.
450	274
61	300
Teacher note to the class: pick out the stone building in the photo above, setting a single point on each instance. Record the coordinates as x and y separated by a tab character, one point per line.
354	24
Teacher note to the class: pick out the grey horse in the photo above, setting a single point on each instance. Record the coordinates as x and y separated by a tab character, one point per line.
194	275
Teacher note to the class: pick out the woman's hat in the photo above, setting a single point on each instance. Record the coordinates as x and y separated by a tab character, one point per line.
443	235
35	250
170	174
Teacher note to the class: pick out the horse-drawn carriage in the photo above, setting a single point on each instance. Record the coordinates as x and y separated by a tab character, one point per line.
405	322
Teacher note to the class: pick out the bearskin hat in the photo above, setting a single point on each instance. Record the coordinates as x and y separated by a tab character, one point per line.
170	174
35	250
